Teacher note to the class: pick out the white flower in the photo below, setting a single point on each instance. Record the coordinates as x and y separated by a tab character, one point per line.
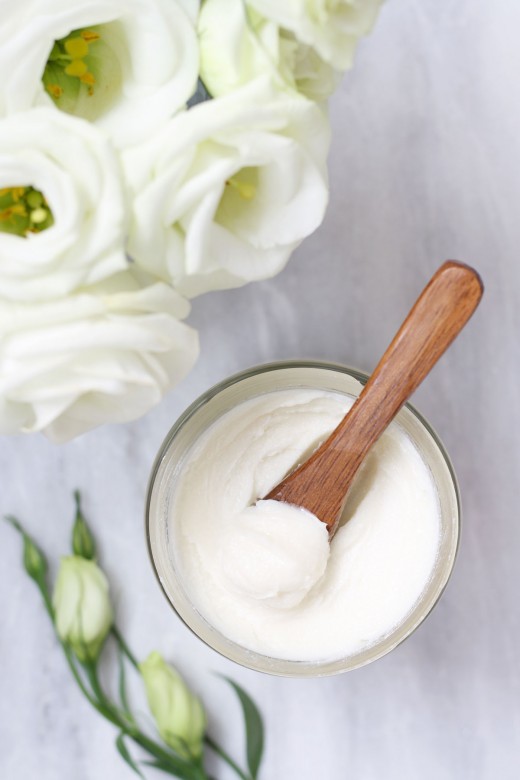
104	354
73	167
249	45
129	65
228	189
179	715
313	76
331	27
82	609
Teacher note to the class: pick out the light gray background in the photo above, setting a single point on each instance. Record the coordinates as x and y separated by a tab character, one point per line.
424	166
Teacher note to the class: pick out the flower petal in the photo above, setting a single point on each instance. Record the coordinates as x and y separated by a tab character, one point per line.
229	188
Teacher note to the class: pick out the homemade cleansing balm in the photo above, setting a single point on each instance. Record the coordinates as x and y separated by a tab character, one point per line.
259	581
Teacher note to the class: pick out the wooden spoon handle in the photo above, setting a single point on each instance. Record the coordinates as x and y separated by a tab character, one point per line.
443	308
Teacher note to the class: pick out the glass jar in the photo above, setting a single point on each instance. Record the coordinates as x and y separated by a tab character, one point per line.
200	416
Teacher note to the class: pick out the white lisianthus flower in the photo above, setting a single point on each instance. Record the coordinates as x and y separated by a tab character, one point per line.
82	610
104	354
179	715
249	45
228	189
62	206
331	27
126	65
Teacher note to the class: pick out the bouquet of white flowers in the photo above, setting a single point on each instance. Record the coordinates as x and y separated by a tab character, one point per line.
150	151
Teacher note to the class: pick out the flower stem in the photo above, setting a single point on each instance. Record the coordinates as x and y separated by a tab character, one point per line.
42	587
124	647
77	676
224	756
164	758
102	704
105	706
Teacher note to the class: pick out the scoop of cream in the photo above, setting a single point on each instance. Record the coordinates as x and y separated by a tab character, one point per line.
275	552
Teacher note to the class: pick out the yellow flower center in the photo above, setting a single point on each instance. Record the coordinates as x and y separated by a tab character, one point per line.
245	189
76	68
84	73
69	66
24	210
240	198
77	47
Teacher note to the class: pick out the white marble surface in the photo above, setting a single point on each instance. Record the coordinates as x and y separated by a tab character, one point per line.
425	165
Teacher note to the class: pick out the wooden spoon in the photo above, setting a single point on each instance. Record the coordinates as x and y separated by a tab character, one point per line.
321	484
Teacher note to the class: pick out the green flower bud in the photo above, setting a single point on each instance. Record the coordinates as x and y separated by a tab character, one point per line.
82	541
179	715
82	610
34	560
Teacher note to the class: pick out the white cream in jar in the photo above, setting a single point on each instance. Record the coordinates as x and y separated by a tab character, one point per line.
266	576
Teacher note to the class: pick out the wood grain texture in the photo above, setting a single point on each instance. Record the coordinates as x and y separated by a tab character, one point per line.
321	484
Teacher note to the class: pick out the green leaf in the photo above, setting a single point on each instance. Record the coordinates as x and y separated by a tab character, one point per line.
122	687
123	752
254	728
